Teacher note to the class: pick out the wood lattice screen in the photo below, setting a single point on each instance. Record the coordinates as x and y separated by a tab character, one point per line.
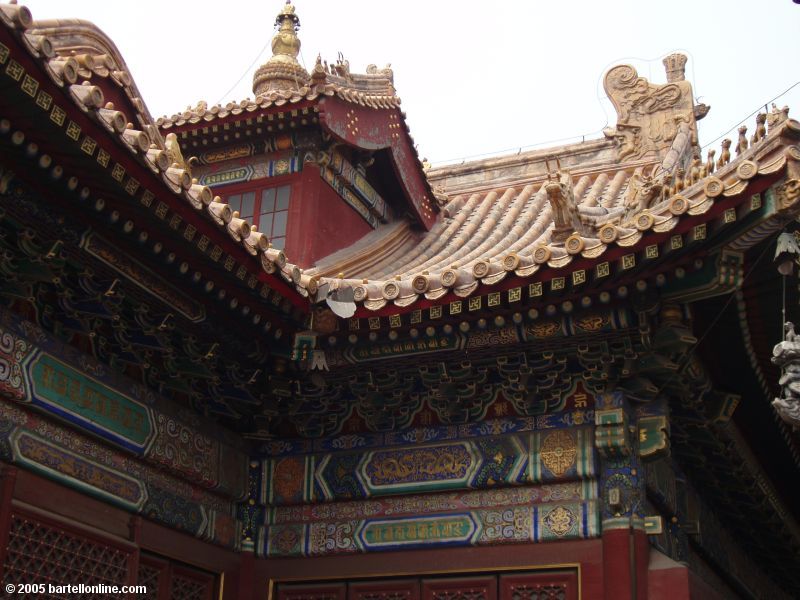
169	580
541	585
40	552
44	550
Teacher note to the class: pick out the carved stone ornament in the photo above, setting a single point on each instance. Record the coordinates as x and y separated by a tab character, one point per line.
648	115
787	356
643	191
564	207
788	193
174	153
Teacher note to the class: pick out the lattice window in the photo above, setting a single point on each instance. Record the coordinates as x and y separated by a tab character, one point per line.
539	592
151	577
555	585
459	595
390	595
479	588
404	589
312	597
311	592
190	588
42	553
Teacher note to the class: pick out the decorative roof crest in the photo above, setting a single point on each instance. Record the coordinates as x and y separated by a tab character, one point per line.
282	71
675	66
651	116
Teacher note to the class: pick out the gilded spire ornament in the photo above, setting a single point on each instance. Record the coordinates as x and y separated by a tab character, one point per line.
282	71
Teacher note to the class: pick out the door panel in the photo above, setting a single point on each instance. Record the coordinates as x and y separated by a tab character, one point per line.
304	591
399	589
562	585
460	588
540	585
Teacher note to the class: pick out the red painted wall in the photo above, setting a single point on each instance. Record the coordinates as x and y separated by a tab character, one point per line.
668	584
320	222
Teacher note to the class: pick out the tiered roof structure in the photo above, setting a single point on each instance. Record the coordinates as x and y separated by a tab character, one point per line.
547	324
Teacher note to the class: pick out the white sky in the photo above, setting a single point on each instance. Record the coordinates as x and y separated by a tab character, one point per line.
475	78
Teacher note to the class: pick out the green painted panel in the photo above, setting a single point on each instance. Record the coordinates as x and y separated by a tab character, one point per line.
90	404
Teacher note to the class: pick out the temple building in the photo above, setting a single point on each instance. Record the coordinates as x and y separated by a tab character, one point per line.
265	351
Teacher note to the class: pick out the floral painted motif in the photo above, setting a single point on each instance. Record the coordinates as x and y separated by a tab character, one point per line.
42	455
13	351
513	524
559	452
560	520
288	480
417	465
510	525
185	450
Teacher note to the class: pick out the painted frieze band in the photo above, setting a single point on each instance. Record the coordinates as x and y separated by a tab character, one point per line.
440	502
55	462
78	462
351	185
260	167
282	142
485	526
58	380
579	412
341	166
77	397
480	463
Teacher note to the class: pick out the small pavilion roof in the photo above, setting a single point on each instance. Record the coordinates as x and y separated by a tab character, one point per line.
374	89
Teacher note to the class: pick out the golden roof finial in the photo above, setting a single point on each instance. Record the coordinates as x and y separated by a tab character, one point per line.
282	71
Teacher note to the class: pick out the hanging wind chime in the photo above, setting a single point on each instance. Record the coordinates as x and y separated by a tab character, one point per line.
786	354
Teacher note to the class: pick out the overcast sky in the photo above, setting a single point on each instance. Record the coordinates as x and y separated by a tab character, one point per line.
475	78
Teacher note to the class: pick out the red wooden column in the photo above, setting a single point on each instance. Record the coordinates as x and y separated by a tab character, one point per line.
626	554
242	580
135	528
8	479
622	494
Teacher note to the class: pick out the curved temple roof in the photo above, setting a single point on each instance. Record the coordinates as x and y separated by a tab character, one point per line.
507	217
546	223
